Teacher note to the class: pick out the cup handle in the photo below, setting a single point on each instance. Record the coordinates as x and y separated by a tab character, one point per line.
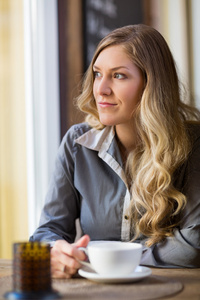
85	263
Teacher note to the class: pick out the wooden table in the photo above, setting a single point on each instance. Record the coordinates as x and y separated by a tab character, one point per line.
162	284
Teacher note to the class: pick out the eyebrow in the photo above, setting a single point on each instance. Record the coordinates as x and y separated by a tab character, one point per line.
113	69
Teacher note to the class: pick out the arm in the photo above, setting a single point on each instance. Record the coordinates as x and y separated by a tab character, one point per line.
183	249
61	207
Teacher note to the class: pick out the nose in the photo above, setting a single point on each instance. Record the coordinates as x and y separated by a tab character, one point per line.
104	87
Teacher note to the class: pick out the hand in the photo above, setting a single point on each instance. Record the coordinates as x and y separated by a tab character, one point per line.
64	257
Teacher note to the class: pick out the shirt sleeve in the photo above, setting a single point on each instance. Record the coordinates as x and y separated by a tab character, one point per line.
62	205
183	249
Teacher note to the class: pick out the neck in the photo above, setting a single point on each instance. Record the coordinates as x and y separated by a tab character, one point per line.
126	136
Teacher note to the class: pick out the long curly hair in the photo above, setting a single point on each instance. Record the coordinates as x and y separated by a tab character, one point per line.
161	119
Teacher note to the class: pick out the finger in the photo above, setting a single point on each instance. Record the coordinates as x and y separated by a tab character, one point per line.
65	254
59	274
69	271
63	259
56	265
61	270
63	248
72	252
62	262
83	241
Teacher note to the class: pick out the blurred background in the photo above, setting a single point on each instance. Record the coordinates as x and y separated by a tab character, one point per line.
45	48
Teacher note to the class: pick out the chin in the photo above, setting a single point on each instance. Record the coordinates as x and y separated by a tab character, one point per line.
108	123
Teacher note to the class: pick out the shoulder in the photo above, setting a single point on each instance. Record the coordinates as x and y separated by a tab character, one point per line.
75	131
193	129
194	135
192	161
68	144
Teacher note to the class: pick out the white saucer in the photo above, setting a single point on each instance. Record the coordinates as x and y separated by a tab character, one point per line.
138	274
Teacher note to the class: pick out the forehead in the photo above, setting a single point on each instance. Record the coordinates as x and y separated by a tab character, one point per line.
113	55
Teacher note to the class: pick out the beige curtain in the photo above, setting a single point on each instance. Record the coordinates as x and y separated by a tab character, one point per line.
13	191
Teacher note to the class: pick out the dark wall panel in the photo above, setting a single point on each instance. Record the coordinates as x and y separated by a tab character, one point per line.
102	16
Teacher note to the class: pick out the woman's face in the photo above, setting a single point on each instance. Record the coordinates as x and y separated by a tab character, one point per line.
118	86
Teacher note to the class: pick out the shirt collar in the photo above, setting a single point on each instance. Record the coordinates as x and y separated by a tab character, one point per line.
102	141
99	140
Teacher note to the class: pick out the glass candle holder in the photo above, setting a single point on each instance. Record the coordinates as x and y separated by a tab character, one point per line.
31	272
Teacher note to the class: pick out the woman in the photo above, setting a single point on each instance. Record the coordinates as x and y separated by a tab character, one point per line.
131	171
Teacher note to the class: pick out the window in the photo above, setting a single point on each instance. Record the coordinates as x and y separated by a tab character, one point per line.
42	99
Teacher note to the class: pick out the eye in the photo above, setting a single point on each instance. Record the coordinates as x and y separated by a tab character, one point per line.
119	76
96	74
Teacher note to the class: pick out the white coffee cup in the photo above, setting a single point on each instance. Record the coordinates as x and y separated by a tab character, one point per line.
113	257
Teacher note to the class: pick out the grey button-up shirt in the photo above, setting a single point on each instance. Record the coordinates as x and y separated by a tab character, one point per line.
89	183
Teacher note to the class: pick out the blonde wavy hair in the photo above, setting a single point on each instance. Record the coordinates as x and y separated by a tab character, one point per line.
161	118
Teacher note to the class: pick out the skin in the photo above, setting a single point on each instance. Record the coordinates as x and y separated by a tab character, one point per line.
118	87
64	257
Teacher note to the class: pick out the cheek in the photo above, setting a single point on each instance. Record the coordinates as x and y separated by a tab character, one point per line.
132	99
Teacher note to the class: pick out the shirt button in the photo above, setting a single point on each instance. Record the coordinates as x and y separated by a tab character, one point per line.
126	217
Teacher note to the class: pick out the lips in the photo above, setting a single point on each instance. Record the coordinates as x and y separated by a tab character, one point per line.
106	104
